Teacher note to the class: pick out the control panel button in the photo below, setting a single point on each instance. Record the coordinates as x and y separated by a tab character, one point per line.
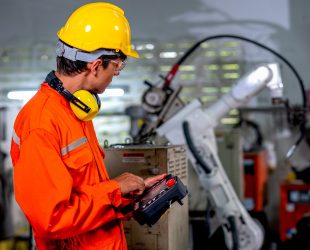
170	183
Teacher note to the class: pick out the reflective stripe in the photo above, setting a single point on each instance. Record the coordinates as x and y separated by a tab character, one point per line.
15	138
73	145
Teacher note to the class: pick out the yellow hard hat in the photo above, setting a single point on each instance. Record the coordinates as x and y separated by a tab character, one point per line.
96	26
88	107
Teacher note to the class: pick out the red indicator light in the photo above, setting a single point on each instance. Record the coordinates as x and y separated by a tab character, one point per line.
170	183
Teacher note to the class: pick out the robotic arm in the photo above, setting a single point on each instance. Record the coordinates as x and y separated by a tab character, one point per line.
194	126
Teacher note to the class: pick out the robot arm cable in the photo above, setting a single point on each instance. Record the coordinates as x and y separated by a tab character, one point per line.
171	74
174	69
192	148
231	219
234	232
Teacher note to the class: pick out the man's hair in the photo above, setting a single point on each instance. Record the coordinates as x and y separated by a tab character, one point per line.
70	68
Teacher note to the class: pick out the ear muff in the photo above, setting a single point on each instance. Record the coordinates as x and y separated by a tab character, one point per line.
84	104
90	100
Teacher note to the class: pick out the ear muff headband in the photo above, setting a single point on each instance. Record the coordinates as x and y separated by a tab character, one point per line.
77	100
97	100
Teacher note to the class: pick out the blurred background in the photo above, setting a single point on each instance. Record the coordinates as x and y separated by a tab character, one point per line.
162	32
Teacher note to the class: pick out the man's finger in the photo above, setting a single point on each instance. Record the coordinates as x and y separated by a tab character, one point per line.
152	180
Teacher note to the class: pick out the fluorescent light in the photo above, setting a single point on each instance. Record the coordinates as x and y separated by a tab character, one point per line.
148	46
113	92
23	95
171	54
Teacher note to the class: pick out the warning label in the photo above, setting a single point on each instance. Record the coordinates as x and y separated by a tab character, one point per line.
133	158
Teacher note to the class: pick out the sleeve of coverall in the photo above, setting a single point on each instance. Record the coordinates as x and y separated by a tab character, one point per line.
43	189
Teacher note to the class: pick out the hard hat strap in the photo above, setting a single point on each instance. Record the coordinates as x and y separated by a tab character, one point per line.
74	54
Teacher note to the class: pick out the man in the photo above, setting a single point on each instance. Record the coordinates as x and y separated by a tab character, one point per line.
60	179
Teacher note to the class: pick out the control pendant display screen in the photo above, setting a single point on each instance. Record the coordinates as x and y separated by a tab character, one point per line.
156	200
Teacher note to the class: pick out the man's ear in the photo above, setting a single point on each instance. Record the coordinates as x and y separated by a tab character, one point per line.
94	66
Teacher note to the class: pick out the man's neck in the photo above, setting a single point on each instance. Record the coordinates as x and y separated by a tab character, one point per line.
71	83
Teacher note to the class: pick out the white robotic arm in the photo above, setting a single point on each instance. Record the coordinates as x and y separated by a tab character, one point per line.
246	88
194	126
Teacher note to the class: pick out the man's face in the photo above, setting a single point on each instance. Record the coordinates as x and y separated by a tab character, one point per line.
104	76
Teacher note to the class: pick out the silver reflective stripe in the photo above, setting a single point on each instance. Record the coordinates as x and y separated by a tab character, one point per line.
16	138
73	145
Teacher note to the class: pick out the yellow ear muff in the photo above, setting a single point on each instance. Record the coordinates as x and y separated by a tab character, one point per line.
90	100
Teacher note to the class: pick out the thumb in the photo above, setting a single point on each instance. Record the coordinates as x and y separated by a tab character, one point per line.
152	180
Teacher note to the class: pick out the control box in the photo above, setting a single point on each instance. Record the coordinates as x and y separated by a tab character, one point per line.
171	231
294	204
155	201
255	181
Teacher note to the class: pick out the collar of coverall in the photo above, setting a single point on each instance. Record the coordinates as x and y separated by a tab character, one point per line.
74	54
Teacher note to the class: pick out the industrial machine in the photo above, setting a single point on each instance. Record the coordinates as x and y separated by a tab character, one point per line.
194	125
194	122
295	203
255	180
171	230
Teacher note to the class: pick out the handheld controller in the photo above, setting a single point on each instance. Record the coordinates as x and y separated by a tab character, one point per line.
156	200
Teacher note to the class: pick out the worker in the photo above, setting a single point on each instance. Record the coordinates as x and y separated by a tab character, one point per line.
60	179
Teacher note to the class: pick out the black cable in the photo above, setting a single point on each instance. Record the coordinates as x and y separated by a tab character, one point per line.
168	78
234	232
192	147
171	74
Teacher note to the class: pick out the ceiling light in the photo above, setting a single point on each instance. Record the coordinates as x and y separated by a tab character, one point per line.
23	95
113	92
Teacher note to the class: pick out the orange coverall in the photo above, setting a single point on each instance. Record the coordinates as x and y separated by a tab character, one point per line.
60	179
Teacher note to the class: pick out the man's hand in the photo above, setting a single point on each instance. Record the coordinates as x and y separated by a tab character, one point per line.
135	185
148	182
130	183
